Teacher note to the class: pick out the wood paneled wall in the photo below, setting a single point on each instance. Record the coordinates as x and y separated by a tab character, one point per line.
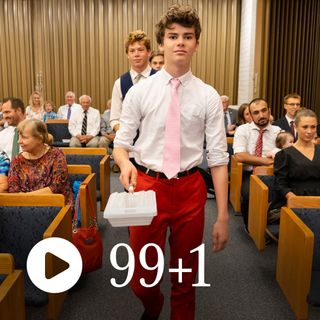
294	53
57	45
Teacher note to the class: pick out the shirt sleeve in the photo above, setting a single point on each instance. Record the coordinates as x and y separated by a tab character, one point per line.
95	129
116	104
129	121
281	172
240	139
215	133
59	172
72	126
4	163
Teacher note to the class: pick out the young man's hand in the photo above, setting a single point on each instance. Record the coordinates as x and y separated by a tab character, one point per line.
128	175
220	234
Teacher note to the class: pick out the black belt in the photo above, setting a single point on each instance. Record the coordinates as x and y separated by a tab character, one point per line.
161	175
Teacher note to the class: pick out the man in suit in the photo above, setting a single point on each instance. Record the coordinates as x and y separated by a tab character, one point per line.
291	103
230	116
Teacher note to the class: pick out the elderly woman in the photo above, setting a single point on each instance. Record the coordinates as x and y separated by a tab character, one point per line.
297	168
39	168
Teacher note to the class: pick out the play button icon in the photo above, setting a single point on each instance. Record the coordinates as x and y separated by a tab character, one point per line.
61	254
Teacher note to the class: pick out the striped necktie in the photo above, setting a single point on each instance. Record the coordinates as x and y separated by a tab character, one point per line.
259	143
84	124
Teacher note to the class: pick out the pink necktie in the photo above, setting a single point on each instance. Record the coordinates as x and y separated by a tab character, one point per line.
171	148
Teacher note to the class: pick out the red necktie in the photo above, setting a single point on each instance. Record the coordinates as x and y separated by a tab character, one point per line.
171	148
259	144
292	128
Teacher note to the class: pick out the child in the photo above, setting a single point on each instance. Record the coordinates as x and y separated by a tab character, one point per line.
49	109
284	140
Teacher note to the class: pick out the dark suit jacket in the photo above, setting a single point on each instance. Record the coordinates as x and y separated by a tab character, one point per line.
282	123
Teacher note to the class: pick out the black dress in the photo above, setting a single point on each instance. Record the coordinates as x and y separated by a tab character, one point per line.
296	173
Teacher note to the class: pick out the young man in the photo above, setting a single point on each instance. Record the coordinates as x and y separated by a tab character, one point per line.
291	104
174	110
138	49
156	60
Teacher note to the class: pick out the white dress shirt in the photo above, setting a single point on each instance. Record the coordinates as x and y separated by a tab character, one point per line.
6	140
145	107
93	122
63	110
116	103
245	139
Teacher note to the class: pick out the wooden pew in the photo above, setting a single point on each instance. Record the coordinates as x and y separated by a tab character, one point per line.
11	290
43	211
258	205
101	168
295	255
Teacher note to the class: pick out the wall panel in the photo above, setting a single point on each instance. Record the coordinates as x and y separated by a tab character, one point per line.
57	45
294	49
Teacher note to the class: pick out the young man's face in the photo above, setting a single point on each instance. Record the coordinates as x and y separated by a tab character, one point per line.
292	106
138	56
179	45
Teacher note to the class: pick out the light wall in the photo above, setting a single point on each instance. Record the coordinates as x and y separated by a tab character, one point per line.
57	45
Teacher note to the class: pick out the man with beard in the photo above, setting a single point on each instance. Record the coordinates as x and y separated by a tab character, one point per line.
251	143
13	113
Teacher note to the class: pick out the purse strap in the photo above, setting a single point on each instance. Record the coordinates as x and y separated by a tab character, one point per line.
93	220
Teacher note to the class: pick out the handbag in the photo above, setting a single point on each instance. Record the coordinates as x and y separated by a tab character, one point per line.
87	239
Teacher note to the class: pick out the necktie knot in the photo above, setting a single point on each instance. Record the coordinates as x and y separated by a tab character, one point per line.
175	83
137	77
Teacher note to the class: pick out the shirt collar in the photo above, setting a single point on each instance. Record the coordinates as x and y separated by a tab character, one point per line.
288	119
145	73
253	126
183	79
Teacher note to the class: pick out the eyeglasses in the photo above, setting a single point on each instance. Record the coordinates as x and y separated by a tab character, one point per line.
293	104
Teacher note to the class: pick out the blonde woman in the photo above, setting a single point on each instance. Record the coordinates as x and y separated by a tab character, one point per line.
35	109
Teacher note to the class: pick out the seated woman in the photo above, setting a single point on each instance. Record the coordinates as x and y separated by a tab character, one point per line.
297	168
39	168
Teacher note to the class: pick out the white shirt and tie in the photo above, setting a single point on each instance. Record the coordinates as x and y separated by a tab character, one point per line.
63	110
116	104
145	107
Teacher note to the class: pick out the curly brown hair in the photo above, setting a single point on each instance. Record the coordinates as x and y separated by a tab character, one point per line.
184	15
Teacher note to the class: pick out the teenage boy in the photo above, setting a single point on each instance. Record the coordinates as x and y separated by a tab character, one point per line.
174	110
138	48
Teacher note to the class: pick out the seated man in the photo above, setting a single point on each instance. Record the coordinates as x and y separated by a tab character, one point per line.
251	143
230	116
291	105
84	125
65	111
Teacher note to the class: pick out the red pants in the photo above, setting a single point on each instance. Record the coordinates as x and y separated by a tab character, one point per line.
180	204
